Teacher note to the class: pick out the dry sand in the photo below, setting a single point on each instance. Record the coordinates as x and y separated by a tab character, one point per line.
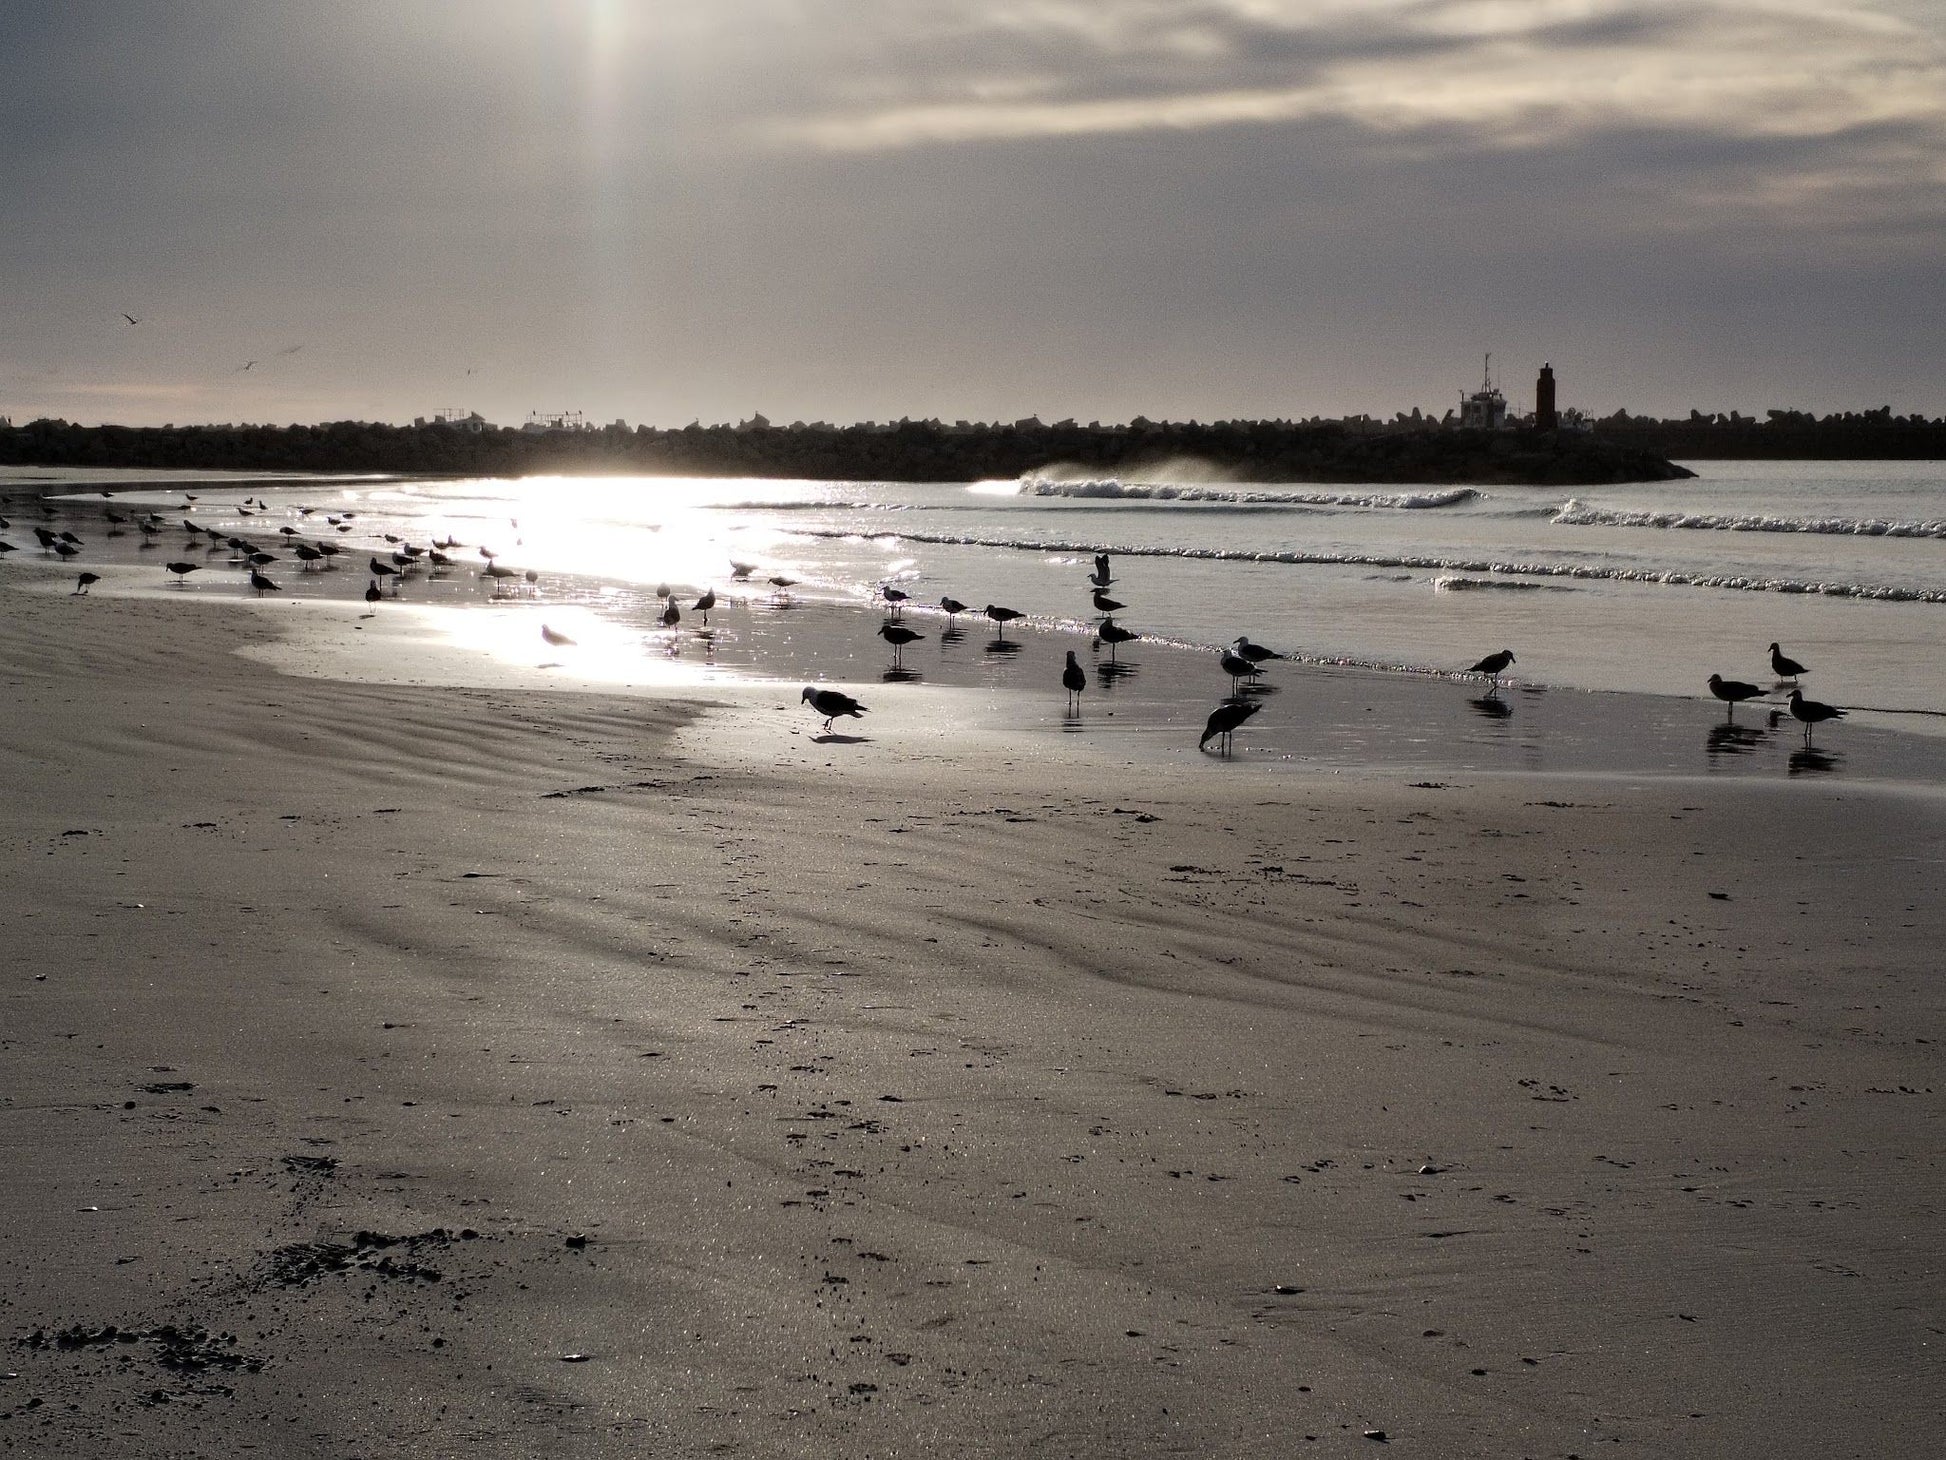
427	1070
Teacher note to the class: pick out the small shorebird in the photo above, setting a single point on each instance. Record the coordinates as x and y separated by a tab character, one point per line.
1783	666
1114	636
1255	653
1493	666
1074	680
81	583
182	570
952	608
831	703
1002	617
893	596
1733	692
1223	722
898	636
1812	712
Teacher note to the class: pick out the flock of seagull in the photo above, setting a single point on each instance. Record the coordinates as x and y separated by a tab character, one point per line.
1242	661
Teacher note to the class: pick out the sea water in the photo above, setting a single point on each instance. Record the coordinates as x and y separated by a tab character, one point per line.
1646	588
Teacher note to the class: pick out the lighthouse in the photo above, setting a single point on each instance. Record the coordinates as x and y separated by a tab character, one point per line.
1546	418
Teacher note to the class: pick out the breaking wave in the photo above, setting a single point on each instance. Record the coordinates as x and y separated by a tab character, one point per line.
1579	514
1672	577
1114	490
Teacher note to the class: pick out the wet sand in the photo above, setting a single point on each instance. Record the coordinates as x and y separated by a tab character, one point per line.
471	1066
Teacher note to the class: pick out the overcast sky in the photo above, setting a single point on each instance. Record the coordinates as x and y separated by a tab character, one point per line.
666	210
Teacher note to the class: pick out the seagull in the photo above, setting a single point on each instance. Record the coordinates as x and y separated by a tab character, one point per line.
781	581
1493	666
1100	576
263	584
182	570
1733	692
831	703
246	365
741	570
952	608
1783	666
898	636
1105	604
1074	681
554	636
1114	636
67	550
705	604
671	614
81	583
373	594
1237	667
130	318
1223	722
1812	712
1255	653
1002	617
893	596
307	555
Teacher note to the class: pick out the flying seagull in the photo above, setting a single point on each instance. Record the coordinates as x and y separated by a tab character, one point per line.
130	318
1223	722
831	703
554	636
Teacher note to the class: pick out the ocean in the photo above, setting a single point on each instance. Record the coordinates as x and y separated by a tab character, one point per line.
1644	589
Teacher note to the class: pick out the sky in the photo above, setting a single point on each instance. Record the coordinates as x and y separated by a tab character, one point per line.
674	210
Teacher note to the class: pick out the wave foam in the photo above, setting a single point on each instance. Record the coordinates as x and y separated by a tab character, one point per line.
1578	514
1114	490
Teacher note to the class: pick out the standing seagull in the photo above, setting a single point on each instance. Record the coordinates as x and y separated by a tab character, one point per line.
263	584
1223	722
1784	666
1114	636
1002	617
831	703
182	570
372	594
893	596
1237	667
952	608
705	604
1255	653
1074	681
81	583
1105	604
898	636
1812	712
1493	666
1733	692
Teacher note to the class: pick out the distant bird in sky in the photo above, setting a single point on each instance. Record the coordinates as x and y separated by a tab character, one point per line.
1255	653
898	636
1073	680
555	637
130	318
1733	692
831	703
246	365
291	349
1493	666
1812	712
1002	617
1785	667
81	584
1223	722
1114	636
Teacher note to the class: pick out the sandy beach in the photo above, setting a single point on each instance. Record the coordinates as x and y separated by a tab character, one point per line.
471	1067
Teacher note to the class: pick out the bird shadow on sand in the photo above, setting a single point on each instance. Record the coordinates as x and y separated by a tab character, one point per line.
834	738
